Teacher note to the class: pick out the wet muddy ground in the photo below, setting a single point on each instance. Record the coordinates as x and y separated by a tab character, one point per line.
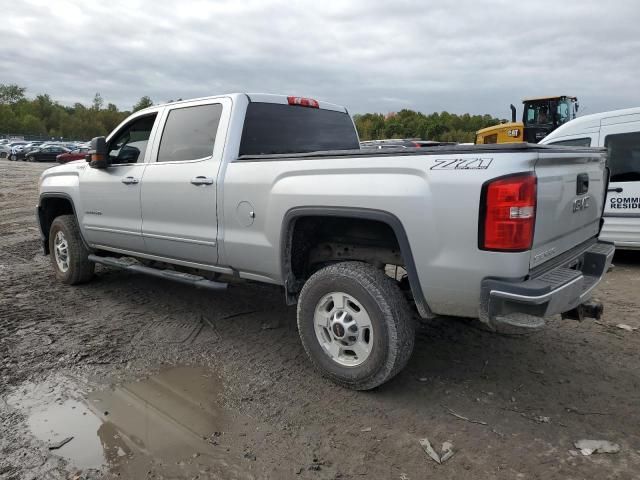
135	377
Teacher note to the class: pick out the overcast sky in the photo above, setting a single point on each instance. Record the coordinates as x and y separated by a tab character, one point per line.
464	56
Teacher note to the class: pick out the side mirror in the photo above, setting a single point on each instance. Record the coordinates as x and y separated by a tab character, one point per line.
97	156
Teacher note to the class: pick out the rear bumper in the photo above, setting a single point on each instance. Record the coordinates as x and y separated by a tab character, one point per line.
556	291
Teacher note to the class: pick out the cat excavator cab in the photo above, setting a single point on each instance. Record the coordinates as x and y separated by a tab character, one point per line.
541	116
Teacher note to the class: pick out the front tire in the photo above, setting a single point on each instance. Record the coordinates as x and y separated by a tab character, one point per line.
69	255
355	325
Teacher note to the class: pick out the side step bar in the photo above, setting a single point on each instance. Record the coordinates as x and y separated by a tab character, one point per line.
181	277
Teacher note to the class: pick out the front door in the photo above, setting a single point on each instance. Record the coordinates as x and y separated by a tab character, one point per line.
110	215
50	153
622	210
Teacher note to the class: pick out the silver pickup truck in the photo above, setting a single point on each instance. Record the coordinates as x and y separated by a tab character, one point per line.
275	189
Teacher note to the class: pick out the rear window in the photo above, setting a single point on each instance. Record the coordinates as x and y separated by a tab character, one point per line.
574	142
624	156
273	128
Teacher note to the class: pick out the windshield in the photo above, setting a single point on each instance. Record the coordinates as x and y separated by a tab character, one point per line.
537	114
547	112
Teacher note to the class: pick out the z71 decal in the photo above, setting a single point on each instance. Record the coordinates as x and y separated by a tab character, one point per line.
462	164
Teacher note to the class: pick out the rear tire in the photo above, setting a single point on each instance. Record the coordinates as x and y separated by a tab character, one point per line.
69	255
355	325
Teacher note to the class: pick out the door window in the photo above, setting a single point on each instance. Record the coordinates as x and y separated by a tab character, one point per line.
130	144
574	142
624	156
190	133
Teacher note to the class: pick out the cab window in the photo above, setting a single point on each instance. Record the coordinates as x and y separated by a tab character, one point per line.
130	144
624	156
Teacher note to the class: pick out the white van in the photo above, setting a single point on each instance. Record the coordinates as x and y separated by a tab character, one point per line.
619	132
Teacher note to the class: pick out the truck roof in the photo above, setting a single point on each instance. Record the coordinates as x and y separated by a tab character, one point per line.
551	97
259	97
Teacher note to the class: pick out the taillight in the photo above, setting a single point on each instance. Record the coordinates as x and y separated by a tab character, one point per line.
303	102
508	213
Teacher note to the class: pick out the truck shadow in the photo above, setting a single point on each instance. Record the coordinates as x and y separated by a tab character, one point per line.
627	257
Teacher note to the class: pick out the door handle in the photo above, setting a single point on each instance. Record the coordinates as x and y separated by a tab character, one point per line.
201	180
617	190
129	180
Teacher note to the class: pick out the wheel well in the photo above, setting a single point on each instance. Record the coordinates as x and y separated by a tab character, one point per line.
49	209
315	241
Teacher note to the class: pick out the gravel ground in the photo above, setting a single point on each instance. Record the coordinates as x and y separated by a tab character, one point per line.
223	389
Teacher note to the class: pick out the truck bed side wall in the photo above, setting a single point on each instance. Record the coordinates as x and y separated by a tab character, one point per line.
437	204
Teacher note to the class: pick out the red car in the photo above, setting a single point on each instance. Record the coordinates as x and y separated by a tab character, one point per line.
77	154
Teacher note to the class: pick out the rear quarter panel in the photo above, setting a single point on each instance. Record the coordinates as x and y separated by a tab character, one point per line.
437	203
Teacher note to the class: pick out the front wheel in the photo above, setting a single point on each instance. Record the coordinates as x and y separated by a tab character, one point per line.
31	159
355	325
69	256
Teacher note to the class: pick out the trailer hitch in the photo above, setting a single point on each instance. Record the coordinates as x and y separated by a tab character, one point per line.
585	310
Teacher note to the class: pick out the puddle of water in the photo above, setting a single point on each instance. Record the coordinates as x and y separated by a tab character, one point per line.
169	423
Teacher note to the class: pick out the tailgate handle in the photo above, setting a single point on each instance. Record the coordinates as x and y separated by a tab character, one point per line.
617	190
582	184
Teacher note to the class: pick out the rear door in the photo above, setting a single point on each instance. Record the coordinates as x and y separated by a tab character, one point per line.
571	185
178	193
622	210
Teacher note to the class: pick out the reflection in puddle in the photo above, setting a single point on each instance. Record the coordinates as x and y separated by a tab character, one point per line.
167	423
70	419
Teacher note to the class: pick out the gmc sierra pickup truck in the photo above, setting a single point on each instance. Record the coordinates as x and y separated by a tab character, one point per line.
275	189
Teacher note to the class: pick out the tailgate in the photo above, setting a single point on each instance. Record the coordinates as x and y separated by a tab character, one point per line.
571	191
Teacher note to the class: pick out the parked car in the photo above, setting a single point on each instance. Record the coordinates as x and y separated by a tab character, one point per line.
45	154
619	132
20	152
6	149
77	154
275	189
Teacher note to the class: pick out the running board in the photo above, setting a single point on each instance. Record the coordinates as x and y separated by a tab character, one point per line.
181	277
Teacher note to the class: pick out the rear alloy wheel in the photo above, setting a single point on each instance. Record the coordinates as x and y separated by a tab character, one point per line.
31	158
355	324
69	256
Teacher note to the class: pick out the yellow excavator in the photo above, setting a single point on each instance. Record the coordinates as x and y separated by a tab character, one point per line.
540	117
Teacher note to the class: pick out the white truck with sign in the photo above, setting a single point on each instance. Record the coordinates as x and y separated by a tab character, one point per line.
275	189
619	132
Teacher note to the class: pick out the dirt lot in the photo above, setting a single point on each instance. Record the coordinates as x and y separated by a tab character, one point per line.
153	379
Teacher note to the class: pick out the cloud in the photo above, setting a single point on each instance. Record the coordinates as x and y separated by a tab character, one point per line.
466	56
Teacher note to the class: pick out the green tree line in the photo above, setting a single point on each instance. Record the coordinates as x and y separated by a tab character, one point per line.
443	126
46	117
